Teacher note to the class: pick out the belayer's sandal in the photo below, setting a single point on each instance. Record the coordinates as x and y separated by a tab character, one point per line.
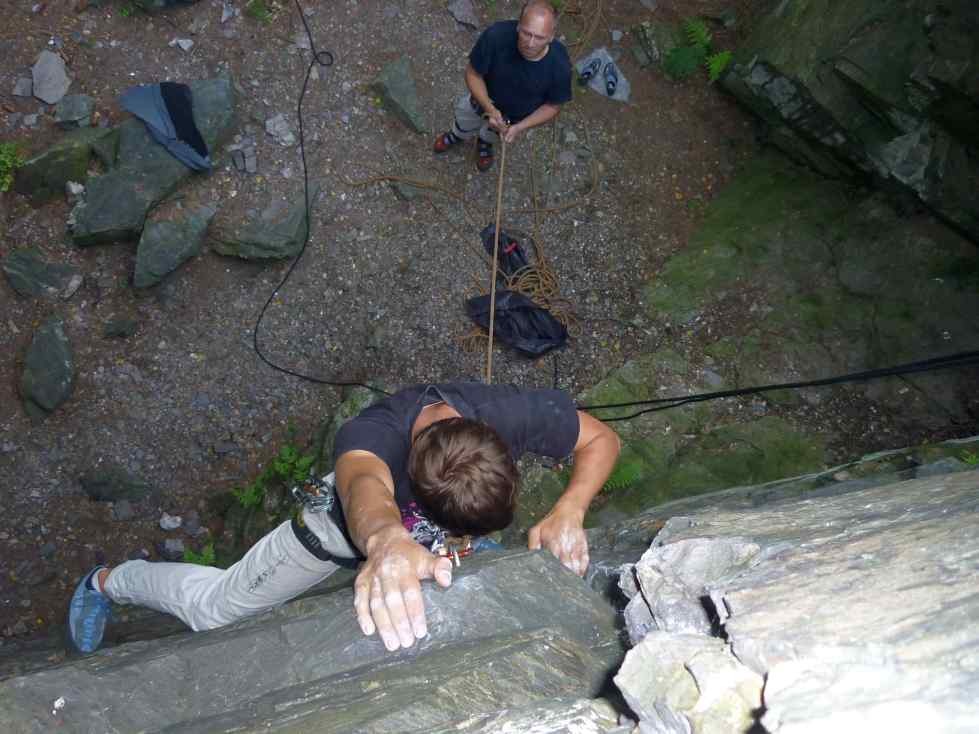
484	152
445	141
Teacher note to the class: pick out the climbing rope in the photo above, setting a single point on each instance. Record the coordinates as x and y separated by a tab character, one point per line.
496	259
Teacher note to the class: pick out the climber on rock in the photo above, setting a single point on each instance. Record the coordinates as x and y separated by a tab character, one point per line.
425	461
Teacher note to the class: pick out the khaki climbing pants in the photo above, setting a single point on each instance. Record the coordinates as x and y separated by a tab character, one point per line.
469	121
273	571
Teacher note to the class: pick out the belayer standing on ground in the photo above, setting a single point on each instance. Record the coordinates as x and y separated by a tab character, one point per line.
426	460
518	77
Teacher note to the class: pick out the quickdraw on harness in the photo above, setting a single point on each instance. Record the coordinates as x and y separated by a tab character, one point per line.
316	495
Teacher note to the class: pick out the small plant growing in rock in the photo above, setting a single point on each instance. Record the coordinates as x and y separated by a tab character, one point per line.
971	458
289	467
10	161
258	10
205	558
684	60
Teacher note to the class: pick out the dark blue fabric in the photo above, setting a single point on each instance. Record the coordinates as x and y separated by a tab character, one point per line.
518	86
148	104
538	421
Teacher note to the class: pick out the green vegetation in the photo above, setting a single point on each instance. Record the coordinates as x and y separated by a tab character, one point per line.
258	10
10	161
971	458
289	467
205	558
684	60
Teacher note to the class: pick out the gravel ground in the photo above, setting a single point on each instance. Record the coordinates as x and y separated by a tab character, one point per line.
185	404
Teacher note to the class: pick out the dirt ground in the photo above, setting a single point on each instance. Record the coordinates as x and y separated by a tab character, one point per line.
185	404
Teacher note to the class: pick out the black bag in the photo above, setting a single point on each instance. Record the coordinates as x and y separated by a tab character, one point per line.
510	256
519	323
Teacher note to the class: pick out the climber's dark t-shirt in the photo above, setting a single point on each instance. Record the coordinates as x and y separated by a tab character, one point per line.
518	86
538	421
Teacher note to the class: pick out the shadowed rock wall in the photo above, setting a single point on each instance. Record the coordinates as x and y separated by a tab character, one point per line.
876	88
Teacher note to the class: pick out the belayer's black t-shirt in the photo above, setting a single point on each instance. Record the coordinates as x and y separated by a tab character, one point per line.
539	421
518	86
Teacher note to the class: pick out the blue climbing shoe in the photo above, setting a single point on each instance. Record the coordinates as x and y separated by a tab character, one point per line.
611	79
590	70
87	614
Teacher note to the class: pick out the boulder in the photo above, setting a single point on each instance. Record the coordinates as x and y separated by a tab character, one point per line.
166	244
116	203
857	607
396	87
513	629
50	78
870	90
278	233
74	110
680	683
30	275
49	369
45	176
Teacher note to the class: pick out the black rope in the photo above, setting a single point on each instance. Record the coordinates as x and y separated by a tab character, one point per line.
324	59
960	359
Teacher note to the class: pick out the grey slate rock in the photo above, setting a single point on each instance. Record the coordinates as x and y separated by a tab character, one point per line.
119	328
74	110
49	369
50	77
45	176
277	233
165	245
116	204
464	13
512	627
554	716
396	86
112	483
30	275
859	602
23	87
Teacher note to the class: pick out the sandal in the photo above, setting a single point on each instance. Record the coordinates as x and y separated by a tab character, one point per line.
484	151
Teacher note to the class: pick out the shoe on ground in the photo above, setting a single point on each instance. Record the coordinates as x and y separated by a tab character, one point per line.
590	70
87	615
484	156
611	78
445	141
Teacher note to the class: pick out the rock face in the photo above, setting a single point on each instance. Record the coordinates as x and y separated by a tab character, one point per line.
165	245
44	176
396	86
857	608
873	88
116	203
514	628
49	369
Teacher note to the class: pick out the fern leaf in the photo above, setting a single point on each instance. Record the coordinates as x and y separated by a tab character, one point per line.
698	34
717	63
683	61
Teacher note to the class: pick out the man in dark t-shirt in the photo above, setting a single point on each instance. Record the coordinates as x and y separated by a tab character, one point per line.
428	459
518	76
